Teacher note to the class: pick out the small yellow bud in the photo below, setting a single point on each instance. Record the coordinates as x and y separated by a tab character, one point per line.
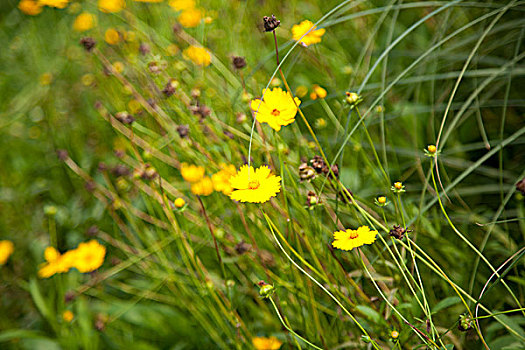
431	148
381	199
352	98
394	334
398	185
179	202
67	316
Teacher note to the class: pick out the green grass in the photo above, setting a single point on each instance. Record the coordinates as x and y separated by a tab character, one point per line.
444	73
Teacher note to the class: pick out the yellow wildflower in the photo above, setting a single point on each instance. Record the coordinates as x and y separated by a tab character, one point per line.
111	6
313	37
30	7
148	0
88	79
277	108
181	5
319	91
6	249
84	21
263	343
191	173
301	91
202	188
68	316
56	262
350	239
118	66
172	49
89	256
54	3
111	36
254	186
190	18
431	148
179	202
46	78
221	179
198	55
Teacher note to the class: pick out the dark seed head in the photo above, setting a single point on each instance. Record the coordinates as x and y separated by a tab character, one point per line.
270	23
520	186
398	232
62	154
88	43
238	62
183	130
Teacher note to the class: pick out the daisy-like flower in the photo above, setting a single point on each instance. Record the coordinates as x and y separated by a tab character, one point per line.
254	186
88	256
190	18
30	7
277	108
84	21
263	343
197	55
181	5
204	187
6	249
60	4
221	179
313	37
192	173
111	6
56	262
350	239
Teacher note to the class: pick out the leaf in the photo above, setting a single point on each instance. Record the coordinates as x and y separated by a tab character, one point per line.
370	313
447	302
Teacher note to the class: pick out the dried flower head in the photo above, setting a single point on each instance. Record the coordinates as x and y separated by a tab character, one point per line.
88	43
238	62
183	130
242	247
270	23
306	172
124	117
398	232
520	186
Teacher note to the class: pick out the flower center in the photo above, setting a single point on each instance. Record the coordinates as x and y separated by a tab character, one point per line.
253	185
275	112
353	234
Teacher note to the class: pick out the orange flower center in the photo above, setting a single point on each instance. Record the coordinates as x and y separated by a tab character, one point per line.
276	112
253	185
353	234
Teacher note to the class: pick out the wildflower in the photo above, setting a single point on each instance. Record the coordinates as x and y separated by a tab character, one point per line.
88	256
181	5
381	201
270	23
254	186
431	151
84	21
394	335
465	323
197	55
183	130
398	187
6	249
318	164
191	173
172	49
398	232
88	43
56	262
262	343
46	78
312	200
520	186
111	6
352	98
301	91
313	37
277	109
148	0
202	188
67	316
179	202
54	3
350	239
30	7
238	62
111	36
190	18
170	87
276	82
380	109
431	148
318	92
266	290
221	179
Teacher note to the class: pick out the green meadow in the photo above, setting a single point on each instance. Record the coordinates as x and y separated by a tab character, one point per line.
236	174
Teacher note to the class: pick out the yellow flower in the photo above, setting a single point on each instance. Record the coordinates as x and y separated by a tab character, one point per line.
203	188
313	37
198	55
221	179
350	239
30	7
190	18
254	186
54	3
319	91
56	263
89	256
111	6
118	66
68	316
6	249
277	109
148	0
262	343
181	5
84	21
111	36
172	49
301	91
179	202
46	78
191	173
431	148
